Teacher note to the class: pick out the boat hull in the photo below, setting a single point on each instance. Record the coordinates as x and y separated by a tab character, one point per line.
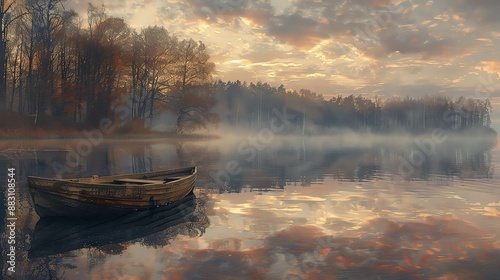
98	196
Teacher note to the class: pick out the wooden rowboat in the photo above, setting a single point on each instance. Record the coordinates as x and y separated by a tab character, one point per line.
110	195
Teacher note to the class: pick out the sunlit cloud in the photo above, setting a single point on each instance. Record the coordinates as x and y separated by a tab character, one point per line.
492	67
341	43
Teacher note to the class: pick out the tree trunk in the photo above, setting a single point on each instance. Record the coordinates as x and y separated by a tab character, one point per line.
3	81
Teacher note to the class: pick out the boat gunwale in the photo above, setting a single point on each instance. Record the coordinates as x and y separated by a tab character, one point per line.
87	183
145	187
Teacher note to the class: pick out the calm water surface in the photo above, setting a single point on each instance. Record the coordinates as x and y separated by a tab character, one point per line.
300	208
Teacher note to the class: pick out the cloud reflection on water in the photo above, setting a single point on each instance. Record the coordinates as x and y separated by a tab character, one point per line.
434	247
440	235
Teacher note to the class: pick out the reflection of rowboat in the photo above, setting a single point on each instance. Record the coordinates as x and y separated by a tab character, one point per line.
110	195
55	235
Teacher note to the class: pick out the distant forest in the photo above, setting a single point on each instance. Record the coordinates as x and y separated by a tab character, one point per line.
251	106
58	68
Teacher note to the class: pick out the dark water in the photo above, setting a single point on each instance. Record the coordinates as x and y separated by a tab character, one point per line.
283	208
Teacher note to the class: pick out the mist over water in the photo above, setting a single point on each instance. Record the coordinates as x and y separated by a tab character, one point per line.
344	138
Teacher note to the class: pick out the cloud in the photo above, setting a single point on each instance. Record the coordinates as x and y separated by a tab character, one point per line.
491	66
372	3
297	30
302	26
215	11
484	12
411	40
268	52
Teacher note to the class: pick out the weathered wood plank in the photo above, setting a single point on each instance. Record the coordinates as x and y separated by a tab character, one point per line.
138	181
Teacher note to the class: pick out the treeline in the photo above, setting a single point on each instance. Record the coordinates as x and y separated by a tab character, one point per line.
54	64
251	106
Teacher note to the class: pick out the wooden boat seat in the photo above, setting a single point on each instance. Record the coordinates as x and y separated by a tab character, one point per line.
137	181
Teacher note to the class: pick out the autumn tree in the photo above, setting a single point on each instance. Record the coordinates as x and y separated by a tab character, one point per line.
191	97
22	72
100	65
46	18
153	56
3	52
7	17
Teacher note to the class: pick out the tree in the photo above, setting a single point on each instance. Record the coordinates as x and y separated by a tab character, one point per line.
191	97
6	19
153	56
47	18
102	66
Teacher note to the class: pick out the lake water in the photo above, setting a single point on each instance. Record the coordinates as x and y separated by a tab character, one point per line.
285	208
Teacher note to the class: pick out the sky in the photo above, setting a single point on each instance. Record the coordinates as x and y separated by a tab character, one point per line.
368	47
